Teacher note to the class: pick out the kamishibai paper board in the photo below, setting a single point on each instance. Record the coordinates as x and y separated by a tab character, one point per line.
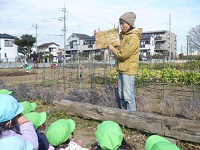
107	37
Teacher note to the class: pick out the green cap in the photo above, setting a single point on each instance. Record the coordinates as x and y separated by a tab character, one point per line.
28	68
28	106
156	142
5	91
36	118
109	135
60	131
164	146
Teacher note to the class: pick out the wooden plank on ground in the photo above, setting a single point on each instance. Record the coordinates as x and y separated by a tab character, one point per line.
180	129
107	37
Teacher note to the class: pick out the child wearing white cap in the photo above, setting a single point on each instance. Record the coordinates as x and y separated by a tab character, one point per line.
13	123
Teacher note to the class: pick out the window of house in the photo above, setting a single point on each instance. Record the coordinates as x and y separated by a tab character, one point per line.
90	46
8	43
50	49
142	44
5	55
174	45
71	44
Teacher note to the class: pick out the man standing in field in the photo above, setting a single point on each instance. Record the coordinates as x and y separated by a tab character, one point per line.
127	56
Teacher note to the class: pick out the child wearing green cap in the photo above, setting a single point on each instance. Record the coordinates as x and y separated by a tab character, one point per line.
13	123
38	120
28	107
110	137
5	91
60	133
156	142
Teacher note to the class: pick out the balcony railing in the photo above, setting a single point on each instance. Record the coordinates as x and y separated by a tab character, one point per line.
159	47
159	38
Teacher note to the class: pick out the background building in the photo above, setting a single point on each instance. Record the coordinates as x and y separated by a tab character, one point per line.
159	41
8	50
46	49
80	43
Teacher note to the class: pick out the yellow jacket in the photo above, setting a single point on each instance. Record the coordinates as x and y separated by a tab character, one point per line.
128	52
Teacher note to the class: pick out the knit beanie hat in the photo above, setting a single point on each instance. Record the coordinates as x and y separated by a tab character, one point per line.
128	17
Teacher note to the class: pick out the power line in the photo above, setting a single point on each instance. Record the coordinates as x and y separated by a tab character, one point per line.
29	29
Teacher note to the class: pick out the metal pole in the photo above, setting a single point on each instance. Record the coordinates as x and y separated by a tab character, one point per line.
187	46
36	36
64	51
170	40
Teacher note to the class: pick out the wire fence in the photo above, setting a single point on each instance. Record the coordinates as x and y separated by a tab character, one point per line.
87	71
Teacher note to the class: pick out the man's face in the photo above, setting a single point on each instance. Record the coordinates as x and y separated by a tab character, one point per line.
124	26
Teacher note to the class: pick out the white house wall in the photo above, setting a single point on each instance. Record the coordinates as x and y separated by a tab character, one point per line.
46	49
75	47
11	52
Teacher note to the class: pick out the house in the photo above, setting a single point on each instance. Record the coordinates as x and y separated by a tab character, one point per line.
49	48
156	42
8	50
152	42
81	42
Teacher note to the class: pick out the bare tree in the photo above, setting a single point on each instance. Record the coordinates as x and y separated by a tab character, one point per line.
194	38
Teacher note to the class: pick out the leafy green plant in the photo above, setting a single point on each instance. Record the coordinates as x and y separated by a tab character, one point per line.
167	75
98	57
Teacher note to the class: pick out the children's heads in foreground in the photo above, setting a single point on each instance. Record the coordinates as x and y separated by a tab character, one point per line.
156	142
28	106
60	131
5	91
38	119
10	108
17	144
109	135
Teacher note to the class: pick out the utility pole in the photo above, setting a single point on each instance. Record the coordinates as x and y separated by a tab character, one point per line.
170	38
64	51
36	27
64	33
187	45
36	35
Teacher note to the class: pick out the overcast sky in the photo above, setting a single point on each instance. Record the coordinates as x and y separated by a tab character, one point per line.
19	17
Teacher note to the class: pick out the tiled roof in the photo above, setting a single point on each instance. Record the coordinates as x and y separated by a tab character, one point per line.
47	44
82	36
157	31
85	37
6	36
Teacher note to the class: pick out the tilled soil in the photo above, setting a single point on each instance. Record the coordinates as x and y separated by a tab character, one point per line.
12	77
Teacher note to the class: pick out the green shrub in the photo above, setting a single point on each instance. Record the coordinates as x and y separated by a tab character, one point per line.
98	57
